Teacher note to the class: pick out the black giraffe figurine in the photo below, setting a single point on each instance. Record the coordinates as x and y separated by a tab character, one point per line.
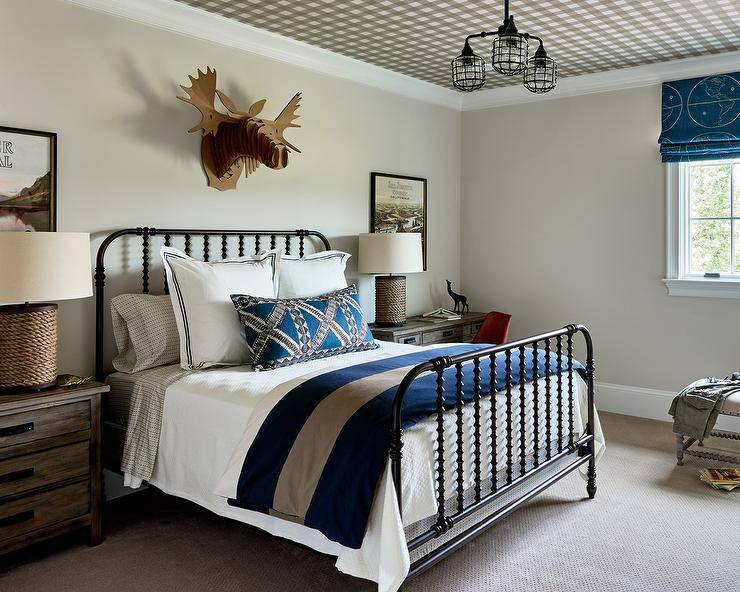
461	302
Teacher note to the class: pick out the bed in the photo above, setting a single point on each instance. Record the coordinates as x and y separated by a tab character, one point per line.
481	453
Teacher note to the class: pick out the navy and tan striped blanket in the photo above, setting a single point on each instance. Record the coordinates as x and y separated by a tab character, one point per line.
317	457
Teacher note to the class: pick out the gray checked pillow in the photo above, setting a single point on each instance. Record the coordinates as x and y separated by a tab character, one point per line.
145	331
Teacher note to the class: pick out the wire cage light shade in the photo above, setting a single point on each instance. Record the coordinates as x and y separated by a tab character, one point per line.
541	74
468	72
510	54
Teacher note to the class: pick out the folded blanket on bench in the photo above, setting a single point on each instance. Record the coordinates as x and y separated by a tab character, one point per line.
696	408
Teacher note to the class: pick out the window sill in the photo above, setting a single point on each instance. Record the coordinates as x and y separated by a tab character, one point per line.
703	288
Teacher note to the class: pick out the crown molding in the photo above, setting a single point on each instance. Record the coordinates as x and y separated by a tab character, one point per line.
197	23
606	81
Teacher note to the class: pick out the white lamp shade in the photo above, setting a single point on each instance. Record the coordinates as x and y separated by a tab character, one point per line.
44	266
393	252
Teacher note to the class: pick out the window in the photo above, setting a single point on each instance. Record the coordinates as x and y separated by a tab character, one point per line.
704	228
713	218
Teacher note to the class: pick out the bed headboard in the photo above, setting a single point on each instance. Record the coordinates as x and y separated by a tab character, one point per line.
259	239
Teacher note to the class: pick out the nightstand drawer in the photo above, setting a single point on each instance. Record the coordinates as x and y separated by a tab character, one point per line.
19	428
414	339
36	511
443	335
418	331
24	473
472	330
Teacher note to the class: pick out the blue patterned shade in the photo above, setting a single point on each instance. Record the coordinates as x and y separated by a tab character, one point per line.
701	118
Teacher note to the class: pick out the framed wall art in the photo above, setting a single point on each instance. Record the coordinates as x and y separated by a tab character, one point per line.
27	180
399	204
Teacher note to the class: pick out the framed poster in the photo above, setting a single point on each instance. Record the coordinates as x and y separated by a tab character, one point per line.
28	187
399	204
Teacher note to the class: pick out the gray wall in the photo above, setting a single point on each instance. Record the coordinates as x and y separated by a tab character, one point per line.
563	220
562	209
108	86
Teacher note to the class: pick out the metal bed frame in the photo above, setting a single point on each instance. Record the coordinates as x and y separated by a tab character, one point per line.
559	454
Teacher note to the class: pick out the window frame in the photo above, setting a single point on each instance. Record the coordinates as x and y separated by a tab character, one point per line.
679	280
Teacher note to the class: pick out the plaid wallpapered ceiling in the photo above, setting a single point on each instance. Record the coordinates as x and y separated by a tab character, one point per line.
419	38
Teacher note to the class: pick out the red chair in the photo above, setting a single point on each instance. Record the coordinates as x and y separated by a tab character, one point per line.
495	328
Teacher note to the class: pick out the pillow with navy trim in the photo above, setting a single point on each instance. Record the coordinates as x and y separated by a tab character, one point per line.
284	332
312	275
210	332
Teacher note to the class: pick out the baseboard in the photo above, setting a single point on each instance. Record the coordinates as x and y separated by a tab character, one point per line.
647	403
633	400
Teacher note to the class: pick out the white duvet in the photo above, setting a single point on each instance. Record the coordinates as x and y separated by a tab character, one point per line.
208	415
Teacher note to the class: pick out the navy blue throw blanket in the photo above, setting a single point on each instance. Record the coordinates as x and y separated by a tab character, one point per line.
321	450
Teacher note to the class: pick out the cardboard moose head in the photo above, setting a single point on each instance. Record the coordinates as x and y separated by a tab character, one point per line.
237	141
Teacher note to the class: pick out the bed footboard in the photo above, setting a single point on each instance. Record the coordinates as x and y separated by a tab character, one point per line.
554	453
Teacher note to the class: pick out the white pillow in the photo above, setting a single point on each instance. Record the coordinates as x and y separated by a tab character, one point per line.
313	275
209	327
145	331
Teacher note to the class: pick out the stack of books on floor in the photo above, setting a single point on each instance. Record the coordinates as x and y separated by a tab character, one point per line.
724	479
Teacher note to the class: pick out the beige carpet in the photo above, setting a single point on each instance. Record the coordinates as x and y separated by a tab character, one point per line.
652	527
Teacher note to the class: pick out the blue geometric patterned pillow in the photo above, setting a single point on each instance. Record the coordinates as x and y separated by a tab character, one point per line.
284	332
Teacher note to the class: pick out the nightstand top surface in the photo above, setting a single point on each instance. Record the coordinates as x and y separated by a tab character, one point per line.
50	395
414	324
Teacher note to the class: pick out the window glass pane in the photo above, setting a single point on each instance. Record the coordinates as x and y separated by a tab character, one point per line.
710	246
710	191
736	189
736	243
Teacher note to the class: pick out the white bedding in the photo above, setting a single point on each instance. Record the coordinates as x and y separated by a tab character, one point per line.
204	419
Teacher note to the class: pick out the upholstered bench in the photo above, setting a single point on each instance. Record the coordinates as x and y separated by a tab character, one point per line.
730	407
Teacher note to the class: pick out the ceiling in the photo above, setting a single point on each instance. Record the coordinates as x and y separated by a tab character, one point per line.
419	38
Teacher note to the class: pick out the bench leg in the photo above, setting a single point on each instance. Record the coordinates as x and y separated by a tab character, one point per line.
679	449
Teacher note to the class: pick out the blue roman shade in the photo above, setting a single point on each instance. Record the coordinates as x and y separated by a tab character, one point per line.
701	118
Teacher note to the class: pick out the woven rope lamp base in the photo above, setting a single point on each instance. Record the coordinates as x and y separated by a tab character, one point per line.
390	300
28	347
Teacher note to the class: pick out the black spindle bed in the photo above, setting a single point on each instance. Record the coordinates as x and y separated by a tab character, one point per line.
471	512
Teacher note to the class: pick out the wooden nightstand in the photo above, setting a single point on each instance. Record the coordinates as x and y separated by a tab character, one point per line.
418	332
50	472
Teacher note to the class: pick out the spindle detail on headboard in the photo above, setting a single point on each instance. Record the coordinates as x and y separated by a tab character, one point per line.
146	233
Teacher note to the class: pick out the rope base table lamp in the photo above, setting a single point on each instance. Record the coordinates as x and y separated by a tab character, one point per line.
392	254
39	266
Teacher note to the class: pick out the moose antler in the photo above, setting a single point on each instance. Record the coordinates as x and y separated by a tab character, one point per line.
201	95
286	118
287	115
254	110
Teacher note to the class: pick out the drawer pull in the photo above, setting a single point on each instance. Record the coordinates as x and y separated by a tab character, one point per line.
448	333
17	518
17	475
410	340
21	428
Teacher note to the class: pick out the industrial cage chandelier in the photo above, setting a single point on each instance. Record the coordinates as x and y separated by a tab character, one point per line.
510	57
